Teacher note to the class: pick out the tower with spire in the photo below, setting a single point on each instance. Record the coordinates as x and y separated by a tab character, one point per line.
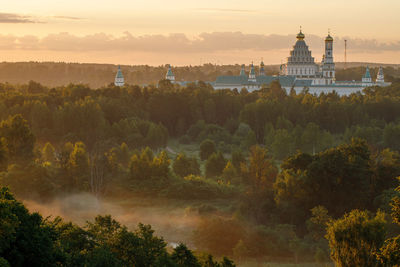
170	75
119	78
252	74
262	70
366	79
300	63
380	78
328	66
242	70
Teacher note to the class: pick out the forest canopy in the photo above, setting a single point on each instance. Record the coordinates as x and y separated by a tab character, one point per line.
270	175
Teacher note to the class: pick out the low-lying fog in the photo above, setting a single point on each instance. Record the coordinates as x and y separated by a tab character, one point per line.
173	222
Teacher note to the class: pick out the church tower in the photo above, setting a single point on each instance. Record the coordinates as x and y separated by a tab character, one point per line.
119	78
262	71
380	78
300	63
252	74
242	71
170	76
328	66
366	79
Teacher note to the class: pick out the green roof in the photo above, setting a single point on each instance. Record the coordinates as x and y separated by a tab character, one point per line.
119	73
252	71
285	81
367	73
169	72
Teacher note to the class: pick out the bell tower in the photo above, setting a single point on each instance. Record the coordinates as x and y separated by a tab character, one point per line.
170	75
328	66
119	78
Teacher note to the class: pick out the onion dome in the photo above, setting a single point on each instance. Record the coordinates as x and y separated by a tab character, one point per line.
300	35
329	38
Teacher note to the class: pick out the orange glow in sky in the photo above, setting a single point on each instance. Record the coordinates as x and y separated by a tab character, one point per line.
192	32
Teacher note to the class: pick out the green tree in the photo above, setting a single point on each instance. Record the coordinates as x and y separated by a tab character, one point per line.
391	136
48	152
183	257
237	159
146	166
207	148
18	138
355	238
123	156
390	251
3	155
79	166
260	172
184	166
283	144
230	174
26	240
215	165
328	179
318	222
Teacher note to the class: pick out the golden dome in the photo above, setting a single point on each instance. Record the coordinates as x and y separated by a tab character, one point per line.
300	35
329	38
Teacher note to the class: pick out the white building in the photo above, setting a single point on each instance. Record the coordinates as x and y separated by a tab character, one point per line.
170	75
302	72
119	78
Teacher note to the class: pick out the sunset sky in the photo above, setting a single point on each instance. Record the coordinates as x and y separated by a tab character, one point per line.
182	32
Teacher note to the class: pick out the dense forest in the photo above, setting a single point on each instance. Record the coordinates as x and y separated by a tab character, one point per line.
270	176
97	75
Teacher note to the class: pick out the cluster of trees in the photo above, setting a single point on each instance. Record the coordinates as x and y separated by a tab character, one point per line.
150	116
29	240
358	238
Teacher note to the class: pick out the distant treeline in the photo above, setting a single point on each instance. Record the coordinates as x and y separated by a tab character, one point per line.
98	75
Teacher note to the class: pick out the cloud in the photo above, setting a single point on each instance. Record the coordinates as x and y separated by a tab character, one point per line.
225	10
67	18
15	18
180	43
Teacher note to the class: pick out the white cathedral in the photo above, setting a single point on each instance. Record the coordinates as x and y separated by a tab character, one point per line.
300	72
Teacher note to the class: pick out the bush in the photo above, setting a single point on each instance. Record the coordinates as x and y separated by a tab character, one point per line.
355	238
215	165
183	165
207	147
